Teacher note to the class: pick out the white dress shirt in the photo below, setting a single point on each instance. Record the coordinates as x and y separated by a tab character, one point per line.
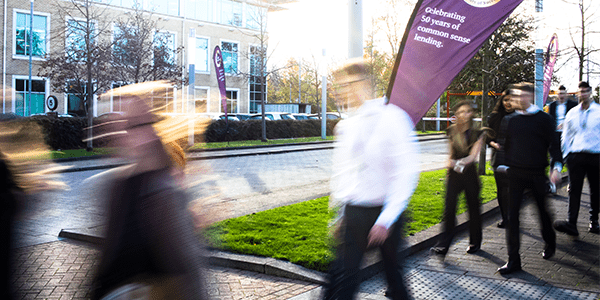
561	109
581	130
376	160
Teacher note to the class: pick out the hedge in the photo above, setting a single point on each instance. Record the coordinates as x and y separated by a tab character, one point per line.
68	133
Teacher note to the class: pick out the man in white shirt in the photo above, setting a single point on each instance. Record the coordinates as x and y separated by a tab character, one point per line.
375	171
581	147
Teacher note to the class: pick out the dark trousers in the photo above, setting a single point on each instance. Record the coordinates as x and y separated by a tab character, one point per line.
468	181
520	180
343	274
581	165
503	193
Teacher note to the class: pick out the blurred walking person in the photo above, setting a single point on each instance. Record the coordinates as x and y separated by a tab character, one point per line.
375	172
581	149
150	247
528	136
465	145
503	107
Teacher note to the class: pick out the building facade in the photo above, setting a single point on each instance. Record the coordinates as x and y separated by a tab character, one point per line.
195	26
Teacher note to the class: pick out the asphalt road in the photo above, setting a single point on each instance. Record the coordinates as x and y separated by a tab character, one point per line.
230	187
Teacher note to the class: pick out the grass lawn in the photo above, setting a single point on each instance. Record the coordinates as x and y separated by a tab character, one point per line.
79	153
299	233
257	142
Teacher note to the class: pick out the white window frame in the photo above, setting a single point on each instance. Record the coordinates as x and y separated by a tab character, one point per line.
175	37
26	77
208	56
237	107
203	87
78	19
14	37
238	56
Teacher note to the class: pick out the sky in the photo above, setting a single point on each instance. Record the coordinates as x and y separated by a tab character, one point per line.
309	26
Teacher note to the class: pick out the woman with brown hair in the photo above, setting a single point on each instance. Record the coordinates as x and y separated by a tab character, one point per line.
465	144
503	107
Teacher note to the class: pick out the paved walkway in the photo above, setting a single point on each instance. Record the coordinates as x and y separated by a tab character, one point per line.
63	269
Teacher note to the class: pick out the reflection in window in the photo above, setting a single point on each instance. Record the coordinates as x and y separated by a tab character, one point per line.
38	94
22	26
164	47
232	101
230	57
75	102
201	55
163	100
75	42
256	94
231	13
201	100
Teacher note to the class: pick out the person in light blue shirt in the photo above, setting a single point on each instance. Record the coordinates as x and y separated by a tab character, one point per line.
580	145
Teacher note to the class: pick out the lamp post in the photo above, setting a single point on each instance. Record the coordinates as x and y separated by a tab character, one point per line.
30	56
539	58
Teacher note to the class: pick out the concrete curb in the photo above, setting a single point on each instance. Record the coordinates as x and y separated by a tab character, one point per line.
371	265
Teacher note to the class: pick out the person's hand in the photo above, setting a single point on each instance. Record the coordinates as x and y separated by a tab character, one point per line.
555	177
495	145
377	236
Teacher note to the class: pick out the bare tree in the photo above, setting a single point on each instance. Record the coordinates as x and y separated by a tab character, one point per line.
82	68
259	53
582	34
141	52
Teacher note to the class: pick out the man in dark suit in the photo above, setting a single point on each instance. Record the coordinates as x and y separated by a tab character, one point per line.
528	136
559	109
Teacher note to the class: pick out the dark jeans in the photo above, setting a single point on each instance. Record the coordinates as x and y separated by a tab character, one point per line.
581	165
468	181
502	193
343	274
519	181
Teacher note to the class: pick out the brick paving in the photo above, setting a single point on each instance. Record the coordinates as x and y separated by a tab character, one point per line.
64	270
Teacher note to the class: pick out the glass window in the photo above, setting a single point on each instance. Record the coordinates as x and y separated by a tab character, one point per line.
201	100
168	7
232	101
38	95
117	100
75	41
230	57
231	13
254	16
256	94
199	9
163	100
202	56
39	35
164	44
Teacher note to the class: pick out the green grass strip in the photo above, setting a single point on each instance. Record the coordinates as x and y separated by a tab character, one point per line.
299	233
80	153
257	142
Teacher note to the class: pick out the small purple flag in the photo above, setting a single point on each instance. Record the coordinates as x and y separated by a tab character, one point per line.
440	39
220	70
551	56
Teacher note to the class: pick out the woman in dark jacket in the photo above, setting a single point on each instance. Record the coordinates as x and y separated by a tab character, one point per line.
503	107
465	145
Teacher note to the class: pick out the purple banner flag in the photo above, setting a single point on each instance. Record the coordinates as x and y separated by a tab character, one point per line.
440	39
551	56
220	70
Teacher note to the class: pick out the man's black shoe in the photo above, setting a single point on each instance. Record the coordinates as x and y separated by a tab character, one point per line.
594	228
473	248
510	267
549	252
566	227
439	250
501	224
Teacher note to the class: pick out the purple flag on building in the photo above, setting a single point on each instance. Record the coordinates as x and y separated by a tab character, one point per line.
220	70
551	55
440	38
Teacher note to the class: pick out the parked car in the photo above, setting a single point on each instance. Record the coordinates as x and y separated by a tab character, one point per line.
230	117
299	116
330	116
274	116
